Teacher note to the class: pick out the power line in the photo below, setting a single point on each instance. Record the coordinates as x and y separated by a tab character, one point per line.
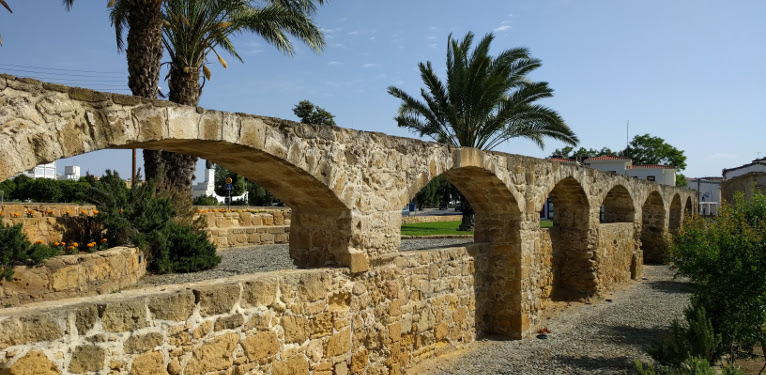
61	74
60	69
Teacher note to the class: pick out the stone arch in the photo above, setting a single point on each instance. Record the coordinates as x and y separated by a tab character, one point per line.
674	222
688	207
497	271
44	125
569	257
618	206
653	241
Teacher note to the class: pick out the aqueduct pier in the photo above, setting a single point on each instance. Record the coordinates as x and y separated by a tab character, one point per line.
358	305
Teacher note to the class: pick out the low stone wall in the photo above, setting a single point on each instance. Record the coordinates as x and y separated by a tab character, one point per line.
77	275
439	291
320	321
430	219
48	222
229	229
619	257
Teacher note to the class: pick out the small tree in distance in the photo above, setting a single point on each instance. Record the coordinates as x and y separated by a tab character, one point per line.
311	114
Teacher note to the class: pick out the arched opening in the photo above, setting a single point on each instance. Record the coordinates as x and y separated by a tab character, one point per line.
319	224
688	208
618	206
674	222
564	246
494	257
653	242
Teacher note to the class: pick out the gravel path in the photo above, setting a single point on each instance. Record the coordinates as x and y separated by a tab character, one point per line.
602	338
244	260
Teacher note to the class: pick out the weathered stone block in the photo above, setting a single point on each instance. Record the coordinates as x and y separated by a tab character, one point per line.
262	345
217	299
124	316
339	343
87	358
259	293
143	343
213	356
149	363
296	328
33	363
229	322
297	365
177	307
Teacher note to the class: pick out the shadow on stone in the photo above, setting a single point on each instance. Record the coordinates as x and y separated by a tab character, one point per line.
639	337
587	365
671	286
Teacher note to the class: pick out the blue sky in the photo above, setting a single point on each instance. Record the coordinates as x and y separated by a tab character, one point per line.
690	72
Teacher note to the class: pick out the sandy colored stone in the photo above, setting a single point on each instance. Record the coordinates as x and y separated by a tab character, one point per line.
124	316
177	307
296	328
339	343
33	363
261	345
229	322
149	363
217	299
215	355
143	343
23	330
296	365
87	358
259	293
359	361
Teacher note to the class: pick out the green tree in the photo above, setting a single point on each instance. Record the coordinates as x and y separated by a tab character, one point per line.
311	114
486	101
144	21
258	196
7	187
44	190
582	152
22	183
645	149
238	182
196	28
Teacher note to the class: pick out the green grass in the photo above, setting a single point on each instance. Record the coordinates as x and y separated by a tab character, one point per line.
445	228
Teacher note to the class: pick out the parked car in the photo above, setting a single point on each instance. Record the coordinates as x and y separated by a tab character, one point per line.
458	207
443	205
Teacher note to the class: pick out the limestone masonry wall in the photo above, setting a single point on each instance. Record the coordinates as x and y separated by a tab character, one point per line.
228	229
77	275
619	257
321	321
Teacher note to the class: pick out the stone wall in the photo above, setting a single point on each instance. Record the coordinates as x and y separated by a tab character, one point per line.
77	275
48	222
430	219
229	229
443	295
322	321
619	257
743	184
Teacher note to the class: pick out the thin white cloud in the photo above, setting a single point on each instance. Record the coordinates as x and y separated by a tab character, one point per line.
335	63
370	65
432	45
433	28
355	32
431	37
338	45
502	28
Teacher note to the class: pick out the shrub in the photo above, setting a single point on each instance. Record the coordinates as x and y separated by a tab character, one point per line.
178	248
694	339
14	249
691	366
725	258
206	200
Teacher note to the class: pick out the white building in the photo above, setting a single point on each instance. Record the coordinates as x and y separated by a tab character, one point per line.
71	172
709	192
661	174
608	163
42	171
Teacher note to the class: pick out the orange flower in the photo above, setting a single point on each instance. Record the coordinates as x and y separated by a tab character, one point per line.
75	244
95	212
56	243
39	242
84	212
67	212
103	240
16	214
91	244
70	248
63	243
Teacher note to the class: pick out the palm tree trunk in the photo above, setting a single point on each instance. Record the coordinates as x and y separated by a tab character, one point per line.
184	89
144	56
469	216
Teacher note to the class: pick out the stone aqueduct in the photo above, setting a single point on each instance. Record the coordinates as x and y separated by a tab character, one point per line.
346	189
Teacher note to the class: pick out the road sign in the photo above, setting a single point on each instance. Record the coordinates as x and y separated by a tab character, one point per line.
228	180
229	187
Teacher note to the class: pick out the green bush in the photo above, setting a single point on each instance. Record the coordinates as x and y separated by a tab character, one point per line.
725	258
206	200
694	339
14	249
178	248
157	220
691	366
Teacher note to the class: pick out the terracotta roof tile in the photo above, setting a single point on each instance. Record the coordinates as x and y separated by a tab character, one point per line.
652	166
608	157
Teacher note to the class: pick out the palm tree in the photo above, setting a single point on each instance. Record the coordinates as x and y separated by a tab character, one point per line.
144	21
4	4
485	102
196	28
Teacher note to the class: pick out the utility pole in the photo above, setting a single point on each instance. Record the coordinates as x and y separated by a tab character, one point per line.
627	132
